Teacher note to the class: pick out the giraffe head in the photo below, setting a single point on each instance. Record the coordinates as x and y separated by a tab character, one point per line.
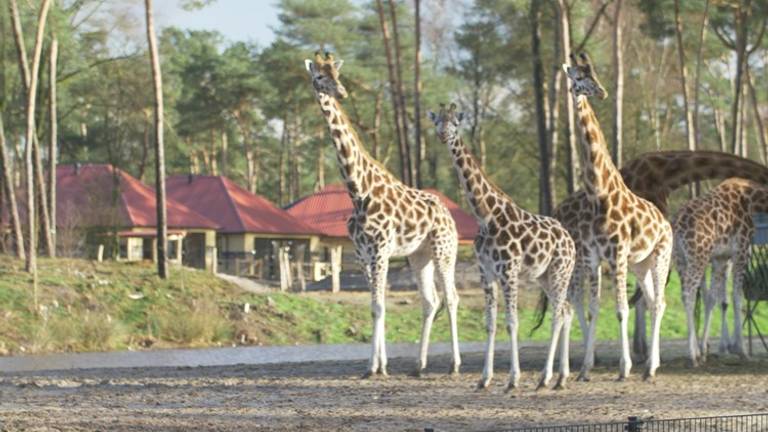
446	122
325	75
583	77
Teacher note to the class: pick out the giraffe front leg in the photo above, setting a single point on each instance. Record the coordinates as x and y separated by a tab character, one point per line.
639	342
423	266
739	267
576	298
595	277
659	274
378	278
491	310
556	290
711	295
622	313
510	287
445	260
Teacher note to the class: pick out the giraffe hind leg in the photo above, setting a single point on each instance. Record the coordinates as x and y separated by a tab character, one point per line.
424	268
444	252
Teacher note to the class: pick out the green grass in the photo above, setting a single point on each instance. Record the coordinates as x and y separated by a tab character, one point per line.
86	306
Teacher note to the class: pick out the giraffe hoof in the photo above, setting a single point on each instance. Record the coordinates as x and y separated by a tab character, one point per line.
542	384
693	363
454	370
583	377
483	384
649	376
417	373
511	387
367	375
621	378
560	385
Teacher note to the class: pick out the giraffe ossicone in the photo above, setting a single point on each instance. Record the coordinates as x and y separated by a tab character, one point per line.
512	246
390	219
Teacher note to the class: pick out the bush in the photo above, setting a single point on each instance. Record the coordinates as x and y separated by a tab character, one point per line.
204	323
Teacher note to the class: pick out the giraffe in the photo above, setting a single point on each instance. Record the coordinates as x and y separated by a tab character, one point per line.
716	228
512	246
620	228
390	219
653	176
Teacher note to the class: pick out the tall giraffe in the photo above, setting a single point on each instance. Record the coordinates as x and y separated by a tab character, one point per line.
512	246
717	228
390	219
623	229
653	176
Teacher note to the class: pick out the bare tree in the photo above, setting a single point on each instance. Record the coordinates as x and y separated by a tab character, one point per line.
545	189
689	125
53	135
5	165
697	78
759	125
157	79
417	96
401	91
402	146
618	85
32	144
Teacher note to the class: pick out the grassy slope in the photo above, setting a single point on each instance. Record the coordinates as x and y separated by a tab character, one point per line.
93	306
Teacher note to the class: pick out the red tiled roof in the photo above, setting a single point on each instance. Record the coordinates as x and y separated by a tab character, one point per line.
101	195
328	210
235	209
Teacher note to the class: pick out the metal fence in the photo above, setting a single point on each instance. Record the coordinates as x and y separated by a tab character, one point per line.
733	423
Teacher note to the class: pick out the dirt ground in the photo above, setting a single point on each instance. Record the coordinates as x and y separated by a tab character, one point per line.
330	396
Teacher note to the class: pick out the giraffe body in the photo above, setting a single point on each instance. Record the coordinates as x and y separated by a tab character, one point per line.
716	228
618	227
389	220
653	176
513	247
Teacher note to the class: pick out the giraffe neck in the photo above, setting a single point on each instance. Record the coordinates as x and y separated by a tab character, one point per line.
358	168
473	180
600	174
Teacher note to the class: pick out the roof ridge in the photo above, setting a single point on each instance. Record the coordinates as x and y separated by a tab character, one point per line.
222	182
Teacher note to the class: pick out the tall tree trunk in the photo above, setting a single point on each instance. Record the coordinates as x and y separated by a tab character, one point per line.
690	131
320	182
401	92
402	146
553	107
157	78
741	50
545	191
145	148
376	131
744	113
617	131
53	134
720	129
417	96
759	125
10	191
224	149
697	78
29	84
572	158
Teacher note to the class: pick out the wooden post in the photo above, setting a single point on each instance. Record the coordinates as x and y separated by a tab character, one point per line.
284	266
100	253
299	262
336	268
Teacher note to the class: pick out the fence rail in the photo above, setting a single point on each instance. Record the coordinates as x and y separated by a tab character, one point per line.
731	423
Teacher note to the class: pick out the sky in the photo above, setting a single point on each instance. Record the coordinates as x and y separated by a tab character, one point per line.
237	20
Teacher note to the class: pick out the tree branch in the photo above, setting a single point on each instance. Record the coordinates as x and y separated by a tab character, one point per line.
759	38
730	44
592	26
100	62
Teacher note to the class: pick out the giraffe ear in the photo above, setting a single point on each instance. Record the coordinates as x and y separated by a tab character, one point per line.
432	117
309	65
567	69
338	64
460	117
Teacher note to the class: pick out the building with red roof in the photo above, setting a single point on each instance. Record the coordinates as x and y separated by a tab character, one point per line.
103	200
328	210
250	226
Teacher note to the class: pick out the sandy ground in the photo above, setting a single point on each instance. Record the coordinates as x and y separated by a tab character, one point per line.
330	396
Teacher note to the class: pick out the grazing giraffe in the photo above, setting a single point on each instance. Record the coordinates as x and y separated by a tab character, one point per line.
512	246
390	219
619	227
717	228
653	176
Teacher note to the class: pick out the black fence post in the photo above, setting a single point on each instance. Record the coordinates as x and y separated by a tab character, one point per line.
634	424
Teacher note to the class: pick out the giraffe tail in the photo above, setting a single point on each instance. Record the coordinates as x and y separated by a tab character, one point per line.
541	312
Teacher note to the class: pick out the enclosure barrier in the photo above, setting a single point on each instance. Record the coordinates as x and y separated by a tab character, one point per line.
732	423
